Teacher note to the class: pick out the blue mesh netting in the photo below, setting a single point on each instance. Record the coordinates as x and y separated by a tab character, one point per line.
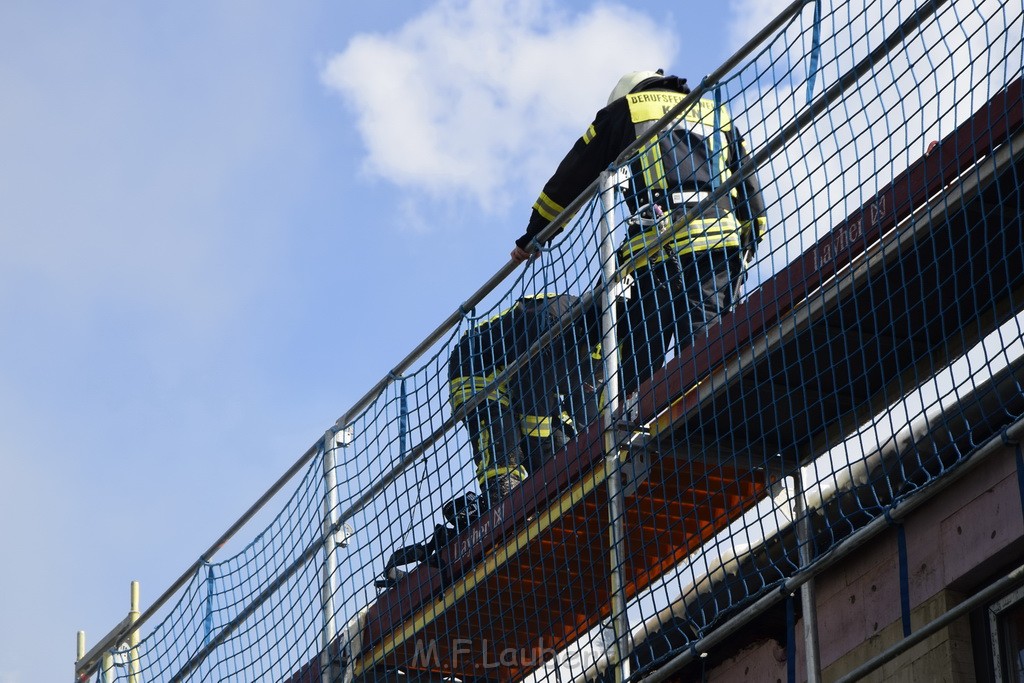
870	344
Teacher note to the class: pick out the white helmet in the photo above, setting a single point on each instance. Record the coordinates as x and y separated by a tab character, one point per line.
630	81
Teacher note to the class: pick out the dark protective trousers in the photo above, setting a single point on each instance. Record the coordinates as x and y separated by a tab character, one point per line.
673	299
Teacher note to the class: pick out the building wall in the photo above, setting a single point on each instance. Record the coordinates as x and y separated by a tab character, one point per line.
961	539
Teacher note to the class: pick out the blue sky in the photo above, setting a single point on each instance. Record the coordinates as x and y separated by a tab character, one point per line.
221	223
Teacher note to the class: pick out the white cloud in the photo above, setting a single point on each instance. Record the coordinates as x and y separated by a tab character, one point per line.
473	96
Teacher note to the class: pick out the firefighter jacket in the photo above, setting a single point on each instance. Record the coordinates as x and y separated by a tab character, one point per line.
541	402
669	175
483	352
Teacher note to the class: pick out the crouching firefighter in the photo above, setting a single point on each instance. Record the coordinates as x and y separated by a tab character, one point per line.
521	423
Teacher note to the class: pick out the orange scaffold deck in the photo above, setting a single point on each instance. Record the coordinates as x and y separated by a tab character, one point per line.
520	587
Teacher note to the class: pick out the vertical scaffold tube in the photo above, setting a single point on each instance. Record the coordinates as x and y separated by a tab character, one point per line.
133	636
330	571
616	513
107	668
80	652
808	596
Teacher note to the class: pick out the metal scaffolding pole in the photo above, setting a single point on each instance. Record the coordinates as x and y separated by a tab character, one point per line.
808	596
616	507
133	636
330	569
80	649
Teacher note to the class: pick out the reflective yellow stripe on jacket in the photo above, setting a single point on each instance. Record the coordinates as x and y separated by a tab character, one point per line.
464	388
540	426
704	234
547	207
699	235
536	425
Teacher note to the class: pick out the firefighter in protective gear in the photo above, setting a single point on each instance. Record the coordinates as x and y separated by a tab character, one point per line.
684	286
524	421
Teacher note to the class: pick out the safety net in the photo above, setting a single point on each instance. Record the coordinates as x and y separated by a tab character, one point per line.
794	300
